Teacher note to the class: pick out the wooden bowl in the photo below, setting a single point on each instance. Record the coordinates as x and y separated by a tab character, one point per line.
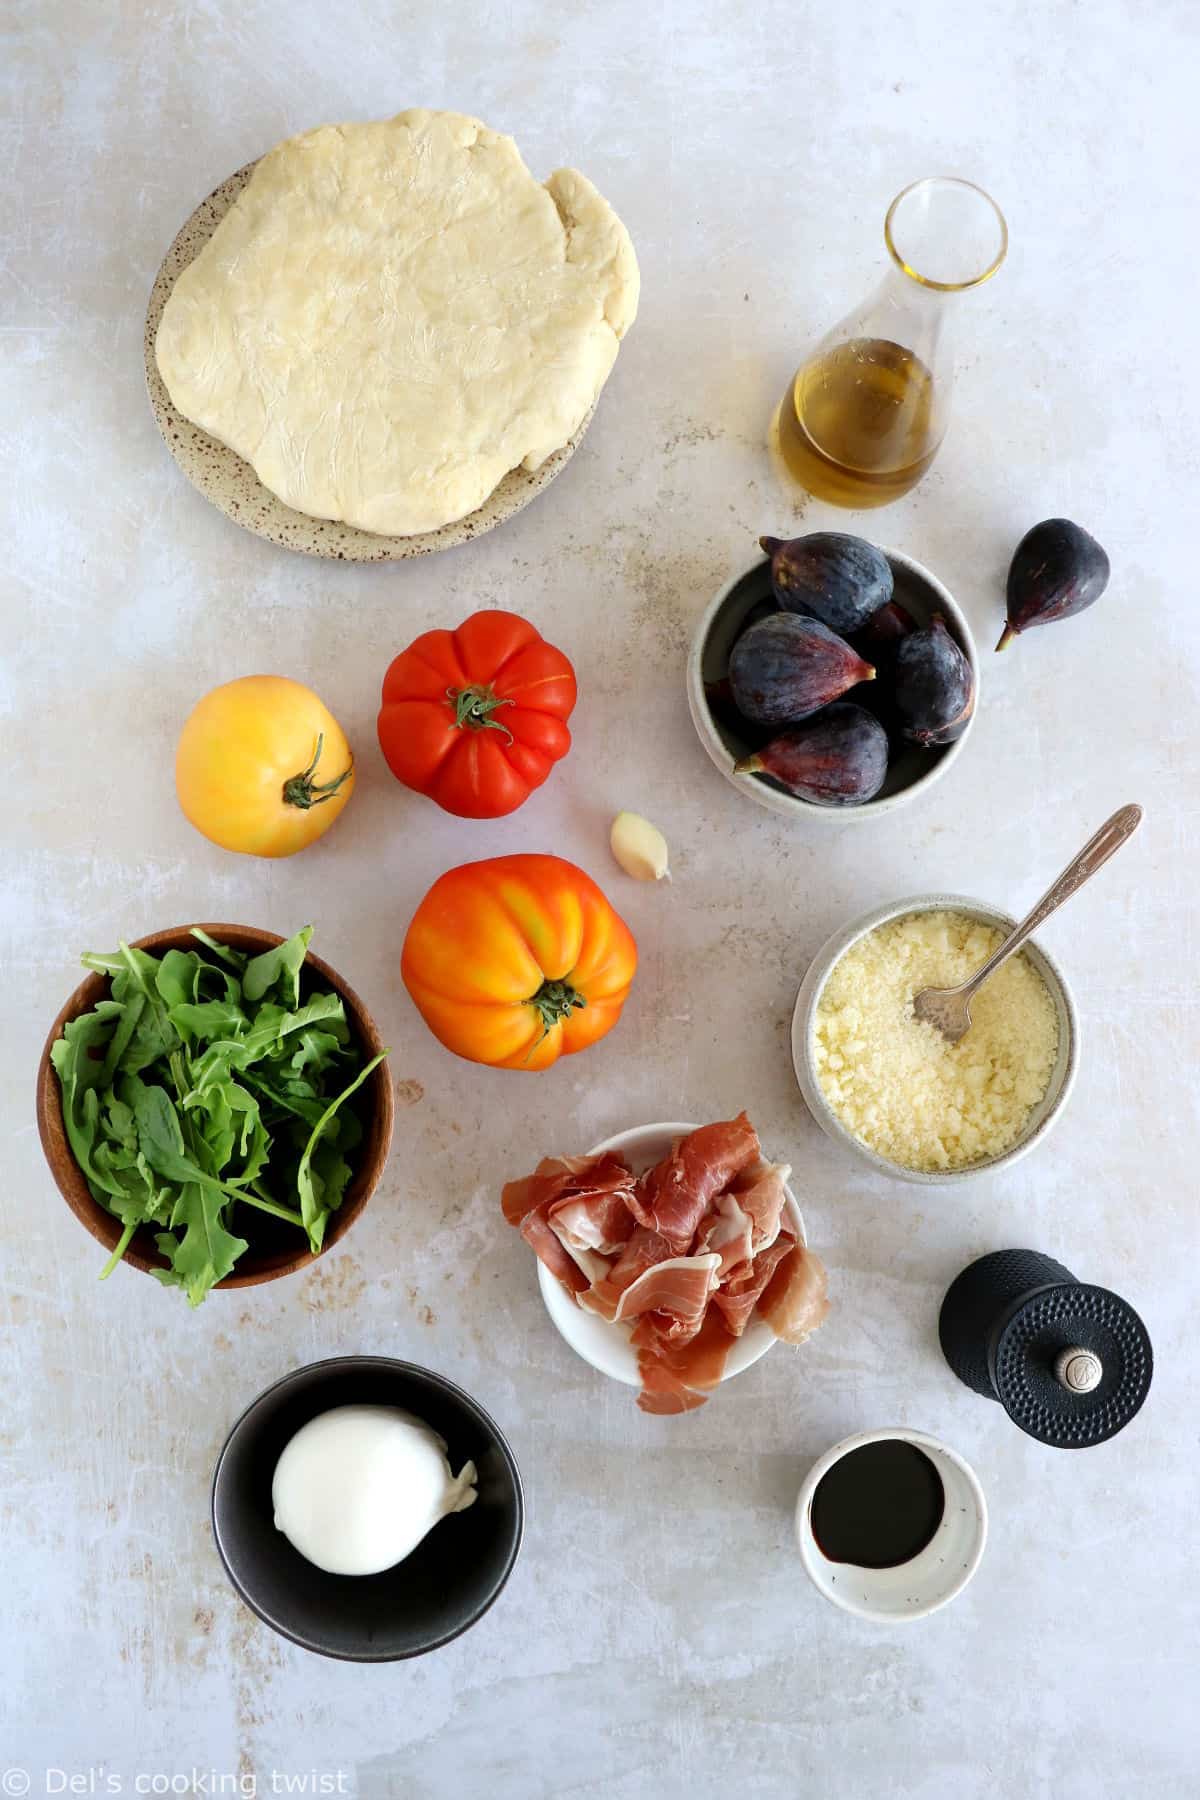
272	1244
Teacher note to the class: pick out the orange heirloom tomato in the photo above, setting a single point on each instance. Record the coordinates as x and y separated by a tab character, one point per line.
263	767
517	961
476	718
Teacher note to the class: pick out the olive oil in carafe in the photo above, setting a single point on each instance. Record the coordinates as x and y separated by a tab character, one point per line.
857	426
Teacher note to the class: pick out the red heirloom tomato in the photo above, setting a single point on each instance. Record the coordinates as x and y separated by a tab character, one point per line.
476	718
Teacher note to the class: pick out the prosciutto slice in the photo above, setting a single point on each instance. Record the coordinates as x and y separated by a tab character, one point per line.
561	1178
663	1392
549	1248
586	1192
739	1297
676	1377
673	1197
796	1300
643	1250
680	1286
600	1221
729	1231
681	1259
760	1191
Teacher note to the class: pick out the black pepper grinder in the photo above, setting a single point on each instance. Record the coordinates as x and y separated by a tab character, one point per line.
1069	1363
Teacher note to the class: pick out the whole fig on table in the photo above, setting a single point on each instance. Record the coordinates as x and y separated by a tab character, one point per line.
837	759
786	667
1058	569
933	685
836	578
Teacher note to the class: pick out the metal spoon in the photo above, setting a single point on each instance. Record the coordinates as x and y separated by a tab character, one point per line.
950	1008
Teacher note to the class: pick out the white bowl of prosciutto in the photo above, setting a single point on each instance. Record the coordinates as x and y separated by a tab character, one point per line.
671	1256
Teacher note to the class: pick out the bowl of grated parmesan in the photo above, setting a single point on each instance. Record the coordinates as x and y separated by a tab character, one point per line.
888	1087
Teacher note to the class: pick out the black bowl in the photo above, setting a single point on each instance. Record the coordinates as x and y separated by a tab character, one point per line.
450	1579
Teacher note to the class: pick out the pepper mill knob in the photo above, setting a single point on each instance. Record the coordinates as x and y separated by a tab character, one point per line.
1078	1370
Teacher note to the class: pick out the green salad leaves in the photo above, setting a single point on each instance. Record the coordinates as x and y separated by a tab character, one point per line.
205	1090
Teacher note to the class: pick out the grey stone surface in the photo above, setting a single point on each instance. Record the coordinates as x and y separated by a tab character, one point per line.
659	1638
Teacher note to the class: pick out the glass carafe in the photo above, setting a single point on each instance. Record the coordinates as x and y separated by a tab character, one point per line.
863	418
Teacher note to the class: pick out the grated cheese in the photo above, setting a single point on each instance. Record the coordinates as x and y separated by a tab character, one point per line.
894	1081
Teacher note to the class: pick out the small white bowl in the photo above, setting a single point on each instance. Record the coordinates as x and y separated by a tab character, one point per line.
1044	1114
911	770
935	1575
606	1345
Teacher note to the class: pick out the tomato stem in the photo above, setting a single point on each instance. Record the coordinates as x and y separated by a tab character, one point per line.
473	709
302	791
555	1001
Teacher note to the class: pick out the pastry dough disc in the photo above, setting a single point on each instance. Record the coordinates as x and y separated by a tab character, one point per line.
392	316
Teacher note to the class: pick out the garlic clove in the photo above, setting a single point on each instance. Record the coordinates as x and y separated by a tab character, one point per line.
639	847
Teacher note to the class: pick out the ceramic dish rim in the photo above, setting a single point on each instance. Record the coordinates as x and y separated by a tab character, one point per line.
804	1013
790	805
562	1312
393	1364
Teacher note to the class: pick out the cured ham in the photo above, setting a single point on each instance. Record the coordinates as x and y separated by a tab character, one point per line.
643	1250
600	1221
739	1297
674	1196
549	1248
558	1179
760	1191
729	1231
567	1202
682	1258
680	1286
796	1299
666	1366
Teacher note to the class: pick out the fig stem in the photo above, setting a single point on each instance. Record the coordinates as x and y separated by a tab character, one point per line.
749	765
1006	638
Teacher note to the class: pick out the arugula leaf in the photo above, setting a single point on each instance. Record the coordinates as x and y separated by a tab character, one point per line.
207	1019
314	1050
176	977
206	1252
266	1037
235	959
315	1204
202	1083
281	965
134	972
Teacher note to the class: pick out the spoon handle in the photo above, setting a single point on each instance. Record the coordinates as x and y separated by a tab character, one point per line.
1095	853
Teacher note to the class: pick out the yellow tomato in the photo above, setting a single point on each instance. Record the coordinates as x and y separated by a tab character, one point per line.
263	767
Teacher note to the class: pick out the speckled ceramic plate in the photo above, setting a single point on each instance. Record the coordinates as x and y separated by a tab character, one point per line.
230	483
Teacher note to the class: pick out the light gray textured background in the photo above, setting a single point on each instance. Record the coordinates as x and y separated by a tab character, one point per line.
659	1637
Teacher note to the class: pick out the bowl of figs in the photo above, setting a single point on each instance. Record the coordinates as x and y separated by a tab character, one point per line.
833	678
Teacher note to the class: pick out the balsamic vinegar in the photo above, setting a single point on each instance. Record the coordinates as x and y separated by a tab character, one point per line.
878	1506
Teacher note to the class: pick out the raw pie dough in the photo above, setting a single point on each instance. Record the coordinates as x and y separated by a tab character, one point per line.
392	316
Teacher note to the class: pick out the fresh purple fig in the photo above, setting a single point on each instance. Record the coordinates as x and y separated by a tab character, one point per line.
723	707
882	632
838	579
1058	570
837	759
933	685
786	667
